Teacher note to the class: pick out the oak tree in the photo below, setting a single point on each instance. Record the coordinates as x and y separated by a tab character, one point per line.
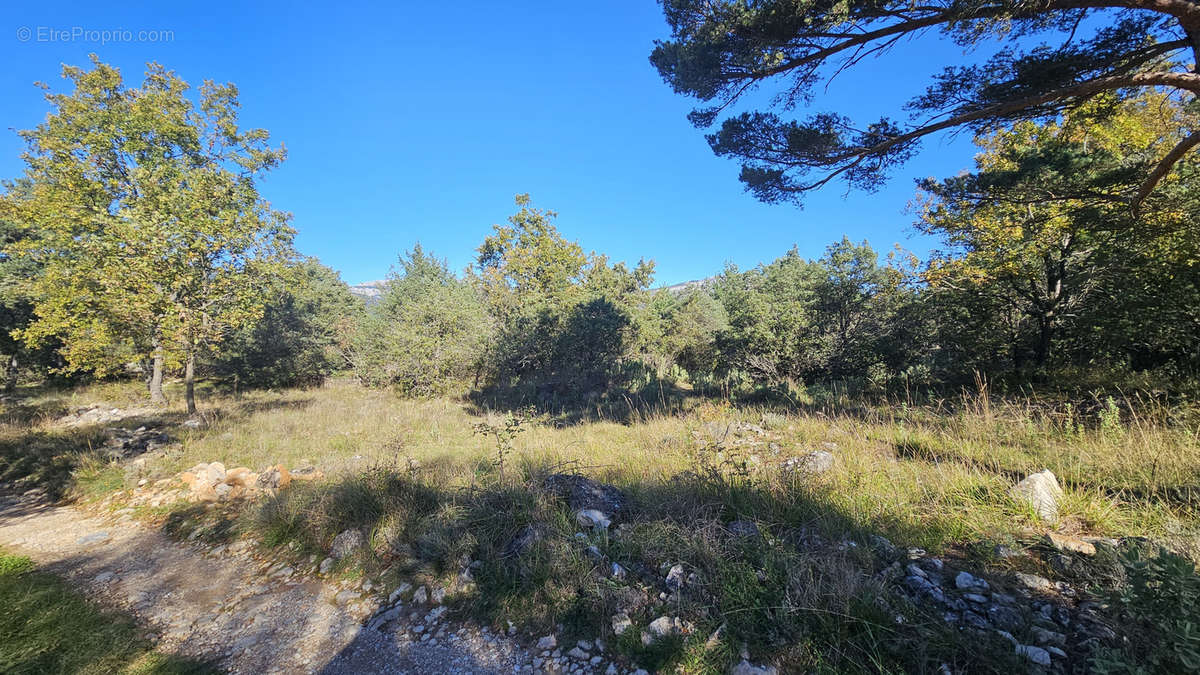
146	220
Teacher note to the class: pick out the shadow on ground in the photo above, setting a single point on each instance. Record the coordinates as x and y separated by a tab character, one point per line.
34	453
211	609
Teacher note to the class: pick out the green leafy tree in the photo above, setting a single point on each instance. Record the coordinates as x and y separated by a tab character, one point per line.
17	274
841	316
690	322
1026	233
429	331
771	332
566	318
721	50
146	220
297	340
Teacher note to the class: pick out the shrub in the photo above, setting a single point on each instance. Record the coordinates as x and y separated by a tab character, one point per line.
1161	608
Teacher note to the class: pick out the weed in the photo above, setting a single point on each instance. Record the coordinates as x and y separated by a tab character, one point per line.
504	434
1161	602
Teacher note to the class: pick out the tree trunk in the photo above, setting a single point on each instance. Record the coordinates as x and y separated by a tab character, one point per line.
156	380
189	380
10	382
1045	330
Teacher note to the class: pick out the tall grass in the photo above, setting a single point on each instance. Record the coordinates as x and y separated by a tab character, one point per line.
428	492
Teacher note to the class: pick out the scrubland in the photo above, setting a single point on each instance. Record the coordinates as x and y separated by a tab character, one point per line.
434	492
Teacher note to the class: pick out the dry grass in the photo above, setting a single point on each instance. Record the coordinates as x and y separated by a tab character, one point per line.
935	477
929	478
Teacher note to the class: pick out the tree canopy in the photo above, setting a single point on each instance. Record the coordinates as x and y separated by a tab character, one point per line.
143	211
1081	49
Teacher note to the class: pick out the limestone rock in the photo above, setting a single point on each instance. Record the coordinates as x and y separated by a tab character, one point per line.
1034	583
582	493
968	582
1041	492
306	473
1062	542
346	543
593	519
216	472
812	463
1035	654
275	478
675	578
665	626
621	623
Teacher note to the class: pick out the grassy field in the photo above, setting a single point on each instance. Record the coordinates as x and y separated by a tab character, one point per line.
432	493
47	628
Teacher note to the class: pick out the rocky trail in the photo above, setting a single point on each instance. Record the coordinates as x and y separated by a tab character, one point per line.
218	605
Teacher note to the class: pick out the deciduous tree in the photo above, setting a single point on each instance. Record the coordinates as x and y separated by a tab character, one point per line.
147	221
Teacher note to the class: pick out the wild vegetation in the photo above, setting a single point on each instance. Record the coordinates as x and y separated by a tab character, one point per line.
48	628
787	447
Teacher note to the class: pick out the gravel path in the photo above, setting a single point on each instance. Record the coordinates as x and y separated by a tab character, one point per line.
222	606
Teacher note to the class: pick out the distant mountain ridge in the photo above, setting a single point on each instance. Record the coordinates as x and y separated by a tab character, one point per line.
371	291
684	285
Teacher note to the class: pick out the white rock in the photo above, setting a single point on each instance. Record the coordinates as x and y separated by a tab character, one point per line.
547	642
661	627
346	543
216	472
966	581
675	578
403	588
1041	492
621	623
814	462
592	518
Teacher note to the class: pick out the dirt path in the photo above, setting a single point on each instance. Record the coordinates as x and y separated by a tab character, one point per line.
220	606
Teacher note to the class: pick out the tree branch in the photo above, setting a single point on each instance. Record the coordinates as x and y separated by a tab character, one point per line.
1187	81
1164	167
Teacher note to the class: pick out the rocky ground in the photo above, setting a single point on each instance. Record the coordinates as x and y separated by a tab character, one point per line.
230	605
246	616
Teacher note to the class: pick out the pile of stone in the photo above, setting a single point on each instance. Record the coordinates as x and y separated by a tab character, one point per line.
125	444
101	414
816	462
213	483
732	434
1040	618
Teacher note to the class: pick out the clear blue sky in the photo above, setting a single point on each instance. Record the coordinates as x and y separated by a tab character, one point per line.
409	122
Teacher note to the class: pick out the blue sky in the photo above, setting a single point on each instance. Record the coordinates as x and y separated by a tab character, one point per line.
409	122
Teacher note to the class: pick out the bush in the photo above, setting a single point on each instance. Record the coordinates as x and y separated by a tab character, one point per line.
1161	608
428	332
295	341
